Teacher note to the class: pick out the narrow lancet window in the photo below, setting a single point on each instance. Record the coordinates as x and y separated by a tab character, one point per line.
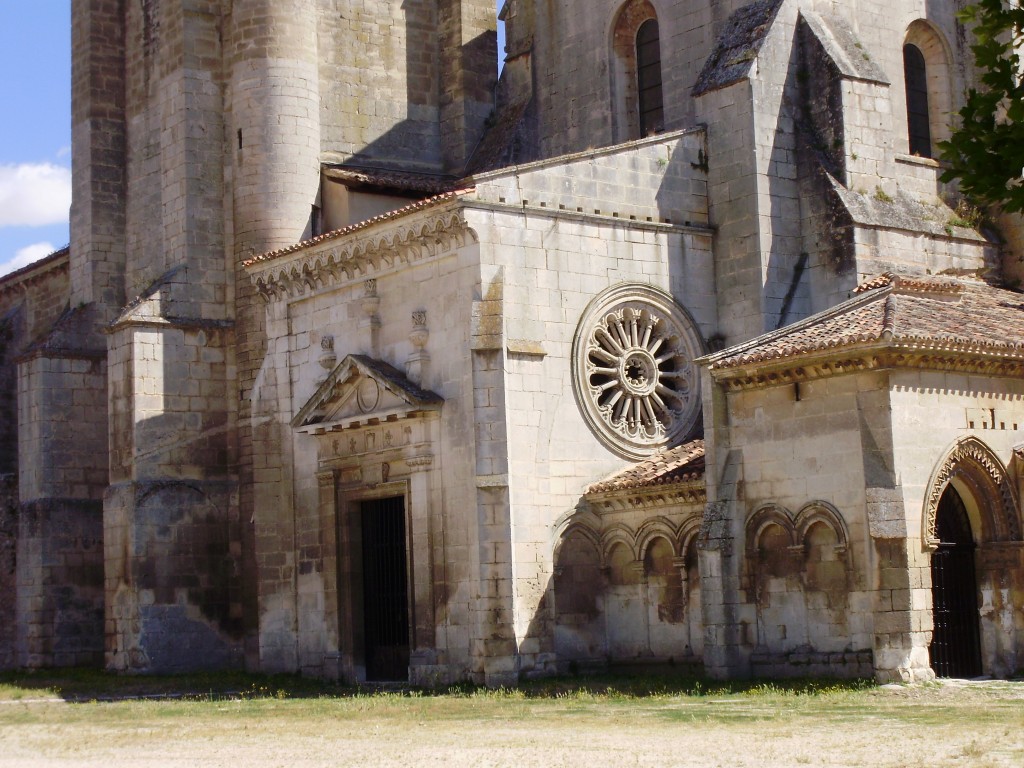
648	70
916	79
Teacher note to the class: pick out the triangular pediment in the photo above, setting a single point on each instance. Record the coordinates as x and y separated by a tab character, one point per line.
360	390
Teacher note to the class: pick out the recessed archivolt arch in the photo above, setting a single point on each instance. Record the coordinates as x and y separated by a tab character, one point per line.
582	530
821	512
617	534
765	516
653	528
973	466
689	532
796	526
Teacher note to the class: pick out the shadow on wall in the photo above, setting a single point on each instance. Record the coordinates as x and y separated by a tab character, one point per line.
625	596
424	140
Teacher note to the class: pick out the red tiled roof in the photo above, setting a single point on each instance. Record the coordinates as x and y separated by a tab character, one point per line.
921	312
681	464
419	205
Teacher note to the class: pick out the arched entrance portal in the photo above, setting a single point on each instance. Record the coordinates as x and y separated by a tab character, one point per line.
956	648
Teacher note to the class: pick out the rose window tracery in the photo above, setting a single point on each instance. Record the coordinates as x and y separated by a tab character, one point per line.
633	370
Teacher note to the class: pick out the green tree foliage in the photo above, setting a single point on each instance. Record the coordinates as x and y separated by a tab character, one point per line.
986	153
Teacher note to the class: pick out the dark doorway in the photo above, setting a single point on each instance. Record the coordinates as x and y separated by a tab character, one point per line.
956	647
385	590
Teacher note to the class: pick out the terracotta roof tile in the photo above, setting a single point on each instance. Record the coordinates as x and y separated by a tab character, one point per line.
921	312
419	205
684	463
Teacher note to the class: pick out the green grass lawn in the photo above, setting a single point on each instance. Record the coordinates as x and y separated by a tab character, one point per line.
90	718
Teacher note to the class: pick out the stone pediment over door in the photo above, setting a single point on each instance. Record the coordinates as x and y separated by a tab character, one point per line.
361	390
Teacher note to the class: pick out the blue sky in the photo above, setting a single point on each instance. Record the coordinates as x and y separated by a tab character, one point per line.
35	128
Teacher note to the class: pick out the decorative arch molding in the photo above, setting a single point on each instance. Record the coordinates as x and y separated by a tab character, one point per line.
656	528
796	525
973	462
822	512
689	536
617	534
342	260
637	541
763	518
582	530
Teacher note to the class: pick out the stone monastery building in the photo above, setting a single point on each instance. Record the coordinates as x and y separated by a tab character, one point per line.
666	346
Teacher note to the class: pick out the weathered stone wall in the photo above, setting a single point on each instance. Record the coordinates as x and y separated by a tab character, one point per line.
304	544
559	234
578	96
8	574
405	83
175	148
171	526
61	430
30	302
952	408
626	586
98	153
800	553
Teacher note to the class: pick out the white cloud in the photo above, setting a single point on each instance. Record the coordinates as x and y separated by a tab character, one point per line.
26	256
34	194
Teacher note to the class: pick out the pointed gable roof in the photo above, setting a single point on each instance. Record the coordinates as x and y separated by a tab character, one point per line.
964	324
360	389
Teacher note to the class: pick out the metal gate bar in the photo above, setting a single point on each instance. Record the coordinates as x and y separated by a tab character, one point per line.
956	647
385	590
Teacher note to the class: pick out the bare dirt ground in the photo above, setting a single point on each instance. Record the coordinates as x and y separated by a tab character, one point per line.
931	726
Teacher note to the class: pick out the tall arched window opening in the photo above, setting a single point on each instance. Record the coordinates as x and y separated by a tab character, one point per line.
915	77
638	106
648	71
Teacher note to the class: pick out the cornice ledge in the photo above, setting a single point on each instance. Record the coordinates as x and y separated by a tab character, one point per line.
361	255
649	497
933	355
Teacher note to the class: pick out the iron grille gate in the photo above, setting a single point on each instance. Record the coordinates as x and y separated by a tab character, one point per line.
956	648
385	590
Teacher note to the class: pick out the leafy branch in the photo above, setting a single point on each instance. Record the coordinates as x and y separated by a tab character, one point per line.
986	153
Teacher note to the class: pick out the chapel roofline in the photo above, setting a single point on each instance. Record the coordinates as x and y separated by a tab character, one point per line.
889	338
58	261
390	216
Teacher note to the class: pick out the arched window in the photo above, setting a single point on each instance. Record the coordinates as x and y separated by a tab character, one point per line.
636	72
648	75
915	76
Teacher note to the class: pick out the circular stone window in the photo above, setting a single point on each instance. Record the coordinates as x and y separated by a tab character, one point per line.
633	373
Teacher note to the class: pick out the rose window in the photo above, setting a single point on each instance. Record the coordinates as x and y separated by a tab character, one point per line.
633	370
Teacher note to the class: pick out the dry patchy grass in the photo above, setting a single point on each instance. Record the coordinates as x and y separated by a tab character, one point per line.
622	722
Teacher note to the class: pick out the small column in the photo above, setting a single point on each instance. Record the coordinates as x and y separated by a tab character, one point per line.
416	364
369	324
